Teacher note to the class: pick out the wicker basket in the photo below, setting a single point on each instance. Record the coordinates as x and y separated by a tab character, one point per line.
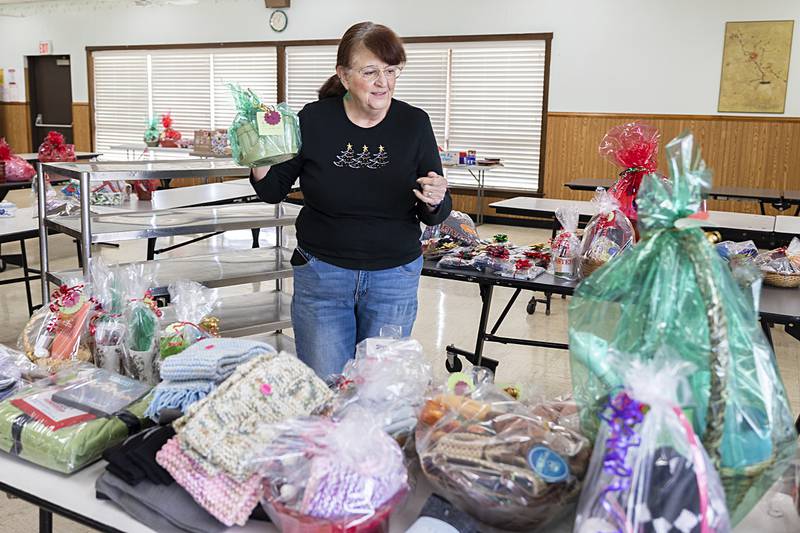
589	265
781	280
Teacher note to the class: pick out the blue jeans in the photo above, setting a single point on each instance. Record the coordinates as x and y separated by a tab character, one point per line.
335	308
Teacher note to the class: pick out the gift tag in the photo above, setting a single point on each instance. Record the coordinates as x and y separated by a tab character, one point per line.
547	464
269	123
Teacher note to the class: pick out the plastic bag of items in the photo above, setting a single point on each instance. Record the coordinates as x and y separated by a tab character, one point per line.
192	304
673	290
781	267
729	249
632	147
508	464
566	246
141	317
114	192
66	421
326	476
262	135
607	234
57	334
460	258
54	149
389	378
108	330
649	471
458	226
15	371
15	168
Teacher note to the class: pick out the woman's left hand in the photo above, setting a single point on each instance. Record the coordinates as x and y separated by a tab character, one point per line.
434	187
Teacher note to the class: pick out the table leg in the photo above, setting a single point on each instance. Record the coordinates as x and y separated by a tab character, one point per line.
486	303
45	521
763	211
26	274
3	193
151	248
767	328
256	233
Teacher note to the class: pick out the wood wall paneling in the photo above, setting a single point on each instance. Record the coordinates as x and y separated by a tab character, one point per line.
15	125
762	152
81	126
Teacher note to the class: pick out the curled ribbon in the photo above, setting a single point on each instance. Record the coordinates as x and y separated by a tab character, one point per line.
622	414
522	264
177	325
149	302
65	296
498	251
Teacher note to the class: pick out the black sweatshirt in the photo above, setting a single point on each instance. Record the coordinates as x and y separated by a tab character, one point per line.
360	212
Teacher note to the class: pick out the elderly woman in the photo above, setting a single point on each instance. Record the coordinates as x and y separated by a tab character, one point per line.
370	172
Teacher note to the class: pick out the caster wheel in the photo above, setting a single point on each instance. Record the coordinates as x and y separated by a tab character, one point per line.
531	307
455	366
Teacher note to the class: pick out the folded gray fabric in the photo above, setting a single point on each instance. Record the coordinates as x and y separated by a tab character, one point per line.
164	508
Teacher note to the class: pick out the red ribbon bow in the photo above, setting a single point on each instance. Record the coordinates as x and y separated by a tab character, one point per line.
148	301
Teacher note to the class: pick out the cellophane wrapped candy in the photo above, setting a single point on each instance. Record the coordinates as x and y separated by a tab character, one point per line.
192	302
389	378
57	334
566	245
262	135
65	422
16	168
632	147
649	471
508	464
151	134
141	320
673	290
607	234
16	370
55	149
325	476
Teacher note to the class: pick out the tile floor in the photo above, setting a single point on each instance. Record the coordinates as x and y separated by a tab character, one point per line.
448	314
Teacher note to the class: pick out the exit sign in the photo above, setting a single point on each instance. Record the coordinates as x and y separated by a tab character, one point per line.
45	47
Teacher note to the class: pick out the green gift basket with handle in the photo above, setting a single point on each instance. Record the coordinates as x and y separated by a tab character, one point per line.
262	135
673	292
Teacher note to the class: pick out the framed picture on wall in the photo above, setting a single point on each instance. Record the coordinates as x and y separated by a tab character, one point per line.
755	66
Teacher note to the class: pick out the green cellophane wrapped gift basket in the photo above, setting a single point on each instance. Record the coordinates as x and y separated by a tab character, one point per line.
262	135
674	293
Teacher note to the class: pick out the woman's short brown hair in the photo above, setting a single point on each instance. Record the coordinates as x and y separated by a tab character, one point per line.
377	38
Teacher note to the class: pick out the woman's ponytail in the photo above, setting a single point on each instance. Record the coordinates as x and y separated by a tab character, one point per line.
332	87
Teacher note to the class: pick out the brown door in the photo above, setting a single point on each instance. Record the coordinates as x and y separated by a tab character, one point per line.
50	96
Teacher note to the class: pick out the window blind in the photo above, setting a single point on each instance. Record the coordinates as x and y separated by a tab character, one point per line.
495	108
307	68
255	69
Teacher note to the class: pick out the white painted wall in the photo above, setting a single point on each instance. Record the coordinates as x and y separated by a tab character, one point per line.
630	56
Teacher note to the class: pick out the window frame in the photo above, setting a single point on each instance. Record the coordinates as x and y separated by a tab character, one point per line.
281	46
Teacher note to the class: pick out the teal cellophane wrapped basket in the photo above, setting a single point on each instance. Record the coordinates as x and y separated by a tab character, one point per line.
254	144
673	292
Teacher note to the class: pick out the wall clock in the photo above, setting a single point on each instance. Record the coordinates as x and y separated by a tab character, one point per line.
278	20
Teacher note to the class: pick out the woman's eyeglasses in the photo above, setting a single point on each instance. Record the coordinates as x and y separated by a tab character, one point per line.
371	73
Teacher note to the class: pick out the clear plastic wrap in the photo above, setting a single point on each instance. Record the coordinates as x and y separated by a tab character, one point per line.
632	147
458	226
785	260
460	258
57	334
16	370
438	247
389	378
510	465
262	135
566	245
649	471
729	249
36	427
8	209
192	303
16	168
607	234
54	149
324	476
141	320
107	327
673	290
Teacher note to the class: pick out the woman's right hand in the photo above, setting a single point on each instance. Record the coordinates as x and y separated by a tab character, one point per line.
259	173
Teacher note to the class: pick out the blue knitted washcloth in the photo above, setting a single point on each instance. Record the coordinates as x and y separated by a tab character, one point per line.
177	395
212	359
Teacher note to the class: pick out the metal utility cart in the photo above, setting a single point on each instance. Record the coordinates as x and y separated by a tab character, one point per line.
240	315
